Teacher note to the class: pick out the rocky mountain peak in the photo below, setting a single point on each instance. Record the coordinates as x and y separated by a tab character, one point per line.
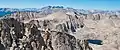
60	29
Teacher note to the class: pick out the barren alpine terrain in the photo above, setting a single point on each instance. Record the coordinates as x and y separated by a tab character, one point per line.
60	28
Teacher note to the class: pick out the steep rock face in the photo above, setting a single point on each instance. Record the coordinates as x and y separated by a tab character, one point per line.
16	35
65	41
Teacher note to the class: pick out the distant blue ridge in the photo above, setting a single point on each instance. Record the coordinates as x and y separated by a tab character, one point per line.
2	13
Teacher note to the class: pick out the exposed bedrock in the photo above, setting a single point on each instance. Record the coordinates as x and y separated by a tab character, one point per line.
60	31
16	35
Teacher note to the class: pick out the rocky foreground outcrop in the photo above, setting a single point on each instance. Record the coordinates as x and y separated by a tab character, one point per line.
60	30
41	34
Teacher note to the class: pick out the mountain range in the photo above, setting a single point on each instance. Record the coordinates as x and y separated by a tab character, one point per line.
50	9
59	28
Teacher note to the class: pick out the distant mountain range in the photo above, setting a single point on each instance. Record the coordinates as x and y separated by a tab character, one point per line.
50	9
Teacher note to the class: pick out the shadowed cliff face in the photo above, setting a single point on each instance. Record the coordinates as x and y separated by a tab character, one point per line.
38	35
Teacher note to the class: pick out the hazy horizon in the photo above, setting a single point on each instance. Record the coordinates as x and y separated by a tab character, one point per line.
77	4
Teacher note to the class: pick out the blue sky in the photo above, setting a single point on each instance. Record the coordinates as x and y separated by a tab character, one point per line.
80	4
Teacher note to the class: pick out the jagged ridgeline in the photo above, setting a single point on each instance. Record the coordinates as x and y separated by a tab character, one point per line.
19	35
59	28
